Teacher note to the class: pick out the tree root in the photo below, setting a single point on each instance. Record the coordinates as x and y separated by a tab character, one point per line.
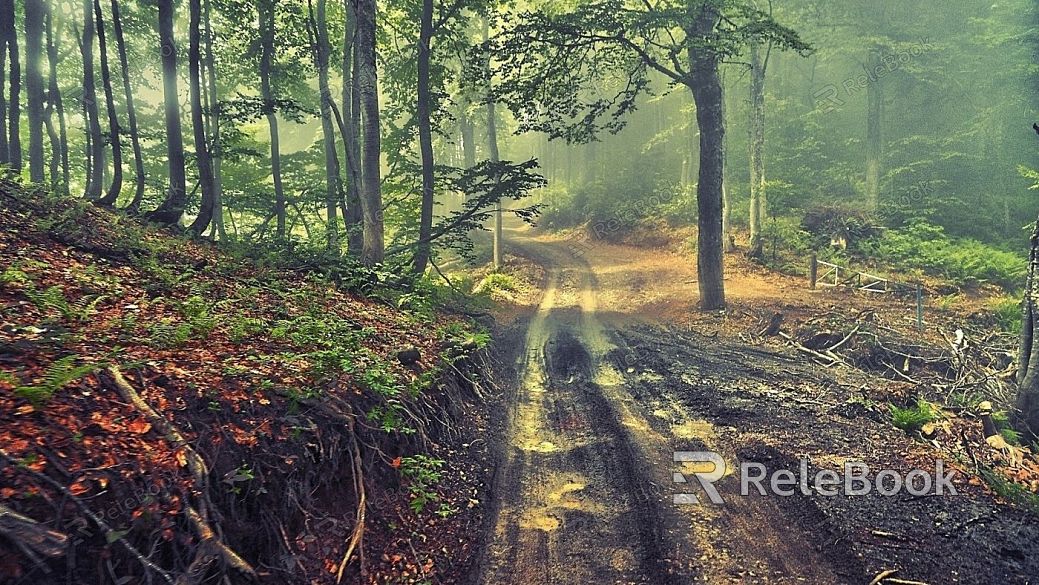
211	546
110	534
357	536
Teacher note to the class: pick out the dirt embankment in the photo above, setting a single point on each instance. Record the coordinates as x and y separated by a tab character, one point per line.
169	413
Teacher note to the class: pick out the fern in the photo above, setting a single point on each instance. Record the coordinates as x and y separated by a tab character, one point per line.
59	374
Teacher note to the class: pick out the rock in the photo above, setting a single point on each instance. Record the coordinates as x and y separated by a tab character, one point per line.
409	355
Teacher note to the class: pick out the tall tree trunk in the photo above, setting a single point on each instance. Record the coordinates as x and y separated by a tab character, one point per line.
425	138
176	198
267	8
96	158
61	149
371	171
113	120
757	144
198	122
34	21
1026	414
14	140
874	122
493	155
352	218
5	157
213	101
468	131
333	190
706	86
131	111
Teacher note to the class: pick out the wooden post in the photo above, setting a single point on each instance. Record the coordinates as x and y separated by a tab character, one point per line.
813	269
919	307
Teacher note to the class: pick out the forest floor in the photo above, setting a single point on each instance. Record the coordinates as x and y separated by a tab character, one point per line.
615	370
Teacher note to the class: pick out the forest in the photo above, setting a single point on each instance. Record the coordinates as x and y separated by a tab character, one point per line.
463	291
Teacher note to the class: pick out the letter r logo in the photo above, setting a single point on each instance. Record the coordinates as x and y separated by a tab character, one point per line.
706	467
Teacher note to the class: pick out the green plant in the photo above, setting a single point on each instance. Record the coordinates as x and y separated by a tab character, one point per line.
1007	312
913	418
496	282
59	374
964	262
1002	421
1009	490
242	327
422	473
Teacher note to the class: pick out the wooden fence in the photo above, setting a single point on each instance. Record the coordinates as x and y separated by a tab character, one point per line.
833	275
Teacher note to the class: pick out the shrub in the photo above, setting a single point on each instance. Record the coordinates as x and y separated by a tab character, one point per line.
1007	312
965	262
913	418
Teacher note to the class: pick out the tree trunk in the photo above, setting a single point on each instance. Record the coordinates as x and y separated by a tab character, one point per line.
1026	414
176	198
705	83
874	146
96	157
34	17
425	138
14	140
352	217
213	101
371	171
5	157
61	150
113	120
757	144
493	155
198	123
266	9
333	192
131	112
468	131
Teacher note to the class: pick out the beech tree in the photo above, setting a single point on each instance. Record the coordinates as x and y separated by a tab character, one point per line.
176	200
548	60
95	143
34	24
114	139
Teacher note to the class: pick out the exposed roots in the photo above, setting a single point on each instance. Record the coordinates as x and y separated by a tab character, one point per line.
211	548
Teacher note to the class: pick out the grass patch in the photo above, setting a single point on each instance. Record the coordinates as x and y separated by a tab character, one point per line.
913	418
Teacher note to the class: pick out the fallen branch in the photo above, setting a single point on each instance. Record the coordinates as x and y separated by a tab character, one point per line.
811	352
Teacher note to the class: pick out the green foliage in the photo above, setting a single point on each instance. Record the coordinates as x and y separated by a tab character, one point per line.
1002	422
616	204
784	235
241	327
913	418
1007	312
422	473
59	374
496	286
966	262
1014	492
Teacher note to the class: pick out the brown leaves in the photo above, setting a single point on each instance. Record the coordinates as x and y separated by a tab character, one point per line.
139	426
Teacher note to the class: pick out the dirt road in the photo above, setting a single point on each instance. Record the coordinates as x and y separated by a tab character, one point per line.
585	490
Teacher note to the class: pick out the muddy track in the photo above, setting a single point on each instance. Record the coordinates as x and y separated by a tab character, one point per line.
585	492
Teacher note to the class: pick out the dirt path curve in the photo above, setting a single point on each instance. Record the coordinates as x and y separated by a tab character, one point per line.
586	492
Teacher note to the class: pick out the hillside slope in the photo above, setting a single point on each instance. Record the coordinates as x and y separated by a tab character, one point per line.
171	414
